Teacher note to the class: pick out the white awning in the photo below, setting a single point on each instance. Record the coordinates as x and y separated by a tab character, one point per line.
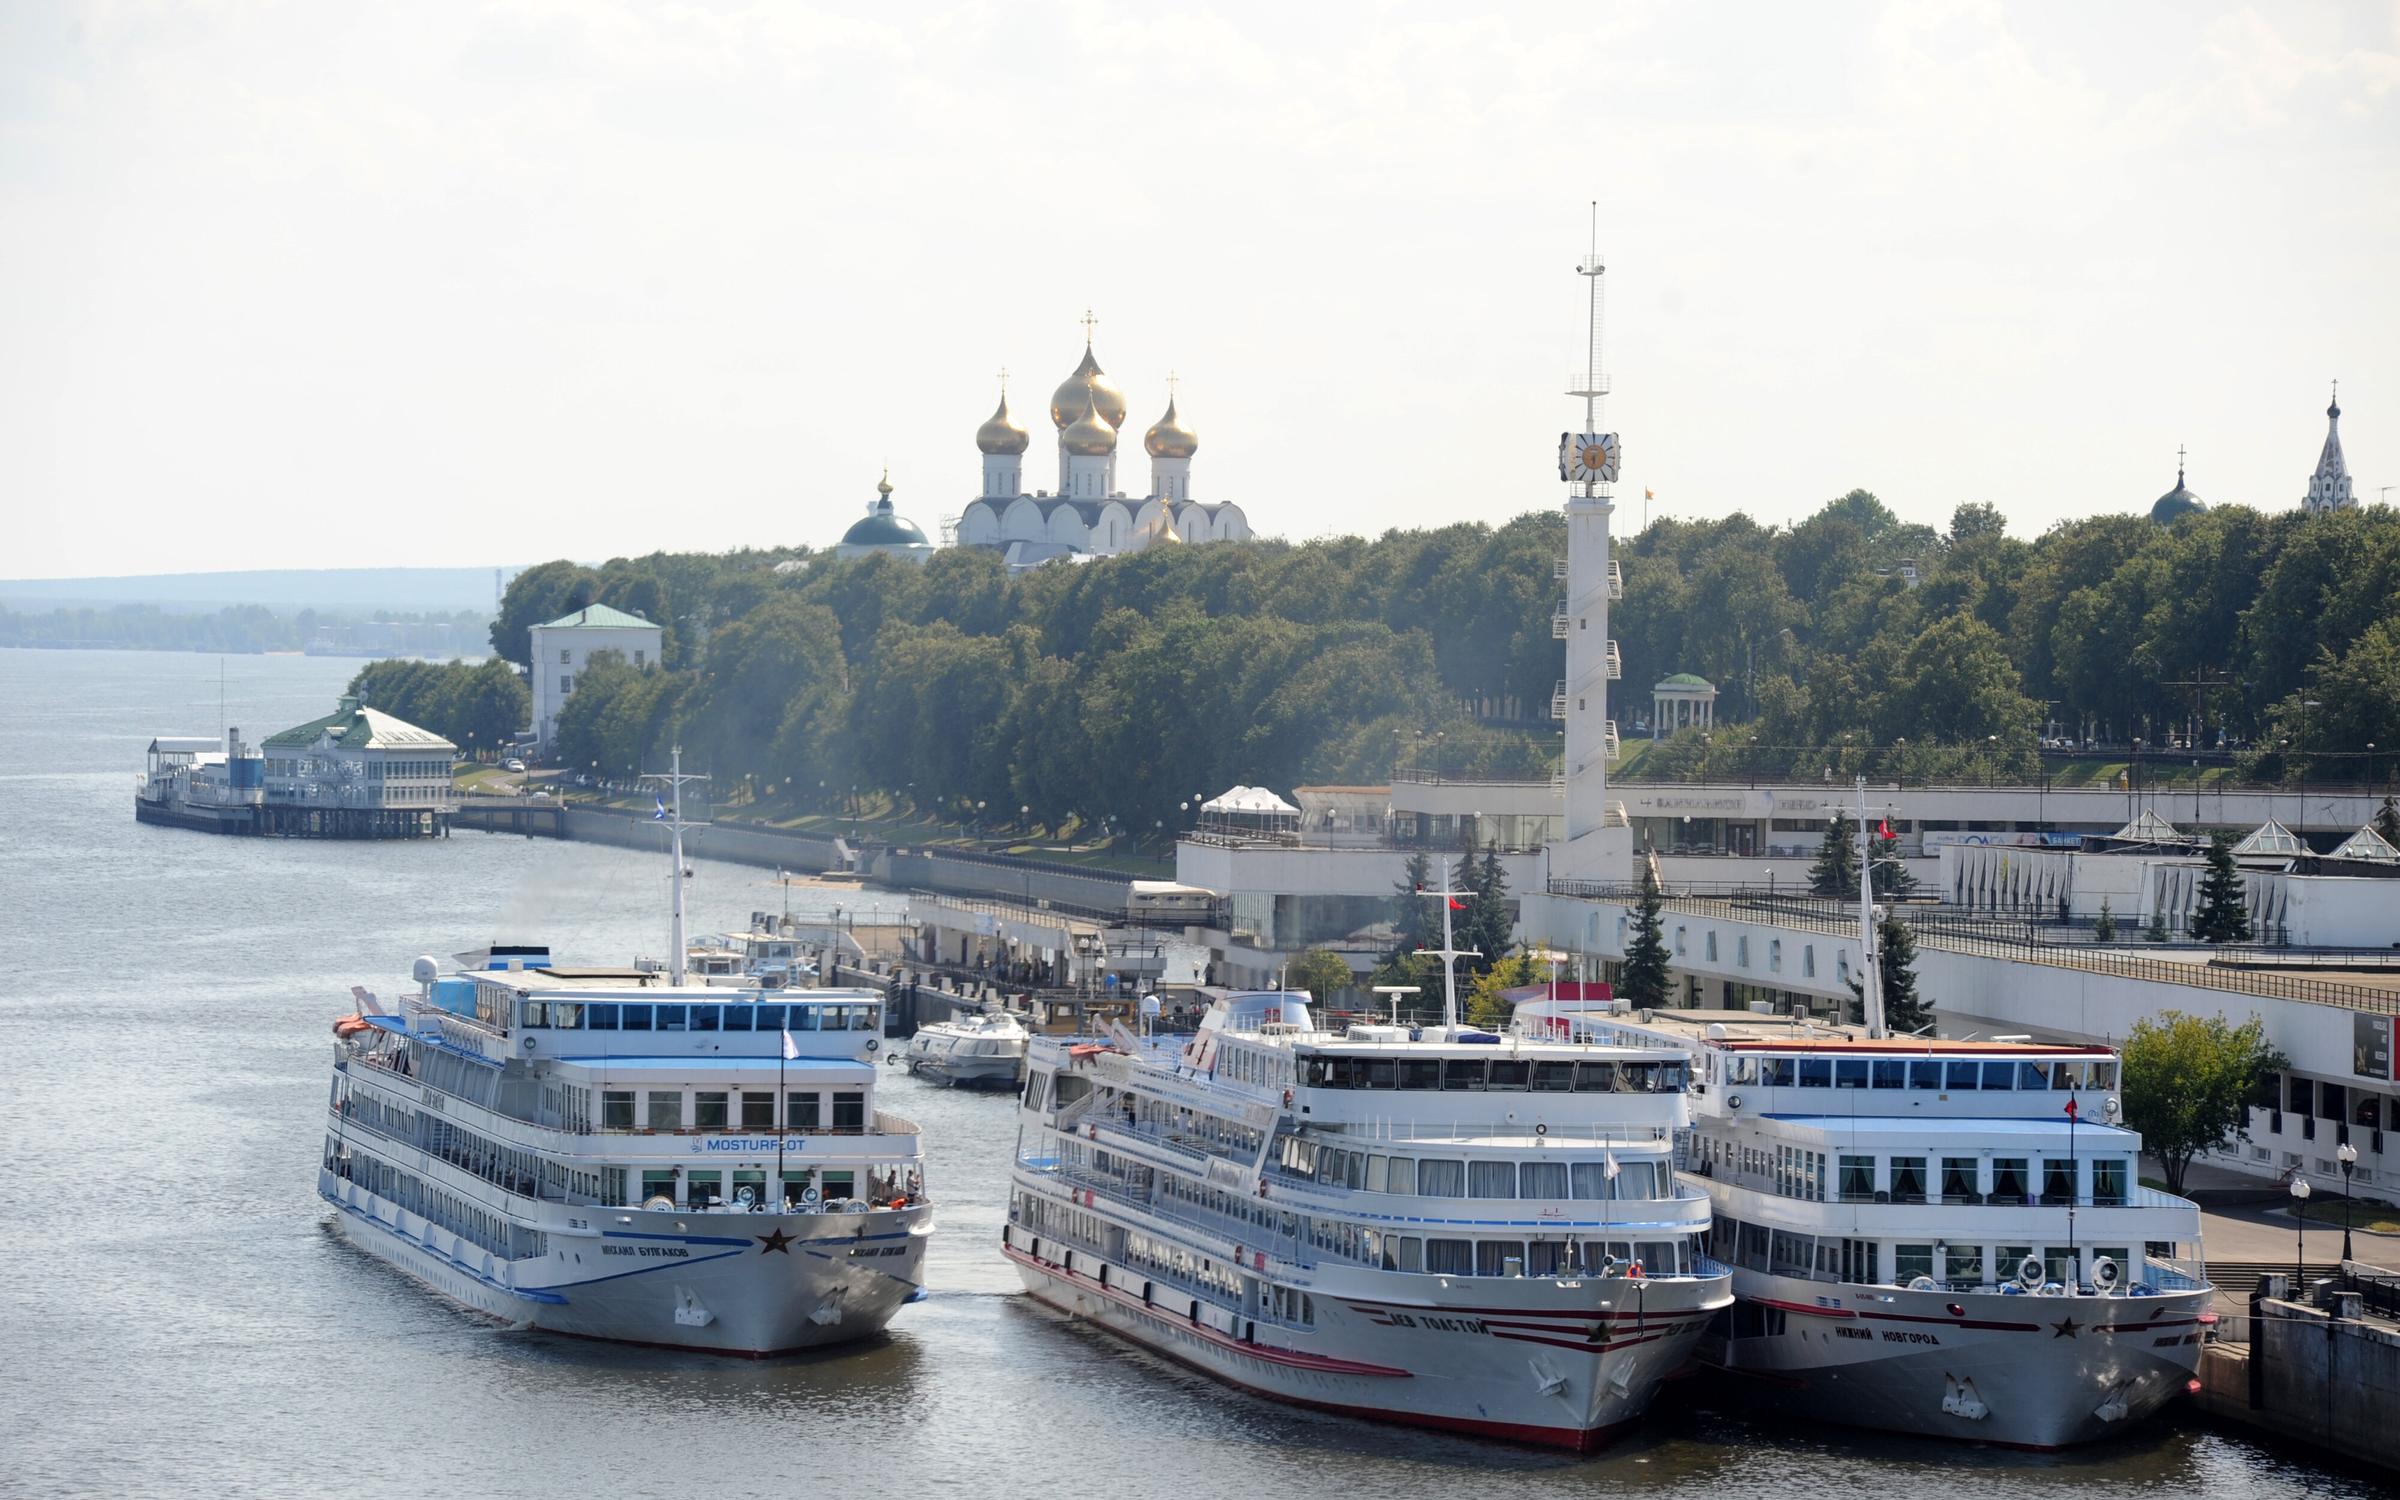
1256	801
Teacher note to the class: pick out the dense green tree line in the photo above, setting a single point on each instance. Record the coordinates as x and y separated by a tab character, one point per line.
1122	686
476	706
2103	625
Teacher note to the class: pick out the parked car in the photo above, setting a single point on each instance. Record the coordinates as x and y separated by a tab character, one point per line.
512	764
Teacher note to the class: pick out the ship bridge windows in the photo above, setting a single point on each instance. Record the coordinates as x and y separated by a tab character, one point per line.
663	1109
616	1109
711	1108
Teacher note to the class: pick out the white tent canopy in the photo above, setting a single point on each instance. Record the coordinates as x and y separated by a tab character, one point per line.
1250	801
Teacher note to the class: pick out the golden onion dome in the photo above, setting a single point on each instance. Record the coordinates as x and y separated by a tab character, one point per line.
1067	401
1169	438
1001	434
1090	433
1160	530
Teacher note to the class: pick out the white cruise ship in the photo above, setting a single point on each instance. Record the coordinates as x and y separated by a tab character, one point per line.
1923	1238
618	1154
1445	1228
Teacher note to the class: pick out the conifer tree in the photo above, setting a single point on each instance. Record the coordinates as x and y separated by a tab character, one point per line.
1411	913
1643	982
1891	877
1836	871
2105	927
1904	1011
2222	917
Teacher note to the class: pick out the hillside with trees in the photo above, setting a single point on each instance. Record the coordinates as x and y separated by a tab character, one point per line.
1121	686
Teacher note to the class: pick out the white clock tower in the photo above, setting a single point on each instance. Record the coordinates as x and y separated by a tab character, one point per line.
1599	842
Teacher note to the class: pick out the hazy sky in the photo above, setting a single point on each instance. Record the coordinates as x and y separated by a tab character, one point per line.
319	283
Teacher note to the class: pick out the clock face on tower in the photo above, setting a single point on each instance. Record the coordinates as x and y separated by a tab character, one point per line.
1587	457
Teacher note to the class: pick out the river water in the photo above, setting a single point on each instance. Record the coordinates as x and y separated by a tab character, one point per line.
177	1319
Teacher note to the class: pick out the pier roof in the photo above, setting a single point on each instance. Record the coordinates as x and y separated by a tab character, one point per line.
359	728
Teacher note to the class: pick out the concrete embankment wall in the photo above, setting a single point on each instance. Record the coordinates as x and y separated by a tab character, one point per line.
773	849
1000	876
1003	877
2332	1382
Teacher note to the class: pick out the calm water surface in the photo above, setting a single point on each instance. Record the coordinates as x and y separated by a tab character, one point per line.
177	1319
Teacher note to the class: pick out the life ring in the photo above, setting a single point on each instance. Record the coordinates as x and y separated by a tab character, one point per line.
874	1043
899	1203
1635	1270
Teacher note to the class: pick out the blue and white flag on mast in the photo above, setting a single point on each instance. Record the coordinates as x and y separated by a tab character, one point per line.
659	816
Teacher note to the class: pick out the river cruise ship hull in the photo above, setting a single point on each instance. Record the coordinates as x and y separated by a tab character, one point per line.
1555	1368
713	1284
2026	1371
1428	1226
605	1154
1925	1235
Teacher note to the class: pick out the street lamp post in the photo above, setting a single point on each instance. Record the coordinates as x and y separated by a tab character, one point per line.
2300	1221
1991	761
2349	1158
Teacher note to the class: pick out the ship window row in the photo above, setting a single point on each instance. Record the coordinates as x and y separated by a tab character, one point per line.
1183	1126
1478	1075
643	1015
1456	1177
1920	1074
674	1111
1442	1255
712	1187
1269	1068
1839	1258
2006	1180
478	1226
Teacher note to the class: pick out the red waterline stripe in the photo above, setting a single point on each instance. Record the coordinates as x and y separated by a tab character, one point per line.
1272	1355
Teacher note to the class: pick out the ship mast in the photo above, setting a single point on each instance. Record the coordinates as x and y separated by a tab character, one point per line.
1449	953
1870	975
673	818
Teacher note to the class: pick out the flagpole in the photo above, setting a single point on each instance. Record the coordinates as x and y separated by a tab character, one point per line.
2074	1185
783	1101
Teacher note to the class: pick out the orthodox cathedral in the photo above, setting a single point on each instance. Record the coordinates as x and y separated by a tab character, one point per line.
1090	515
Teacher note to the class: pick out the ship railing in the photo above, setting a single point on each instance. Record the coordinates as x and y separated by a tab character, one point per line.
1484	1132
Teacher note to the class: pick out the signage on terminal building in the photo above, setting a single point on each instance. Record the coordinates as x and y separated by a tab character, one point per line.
2371	1046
